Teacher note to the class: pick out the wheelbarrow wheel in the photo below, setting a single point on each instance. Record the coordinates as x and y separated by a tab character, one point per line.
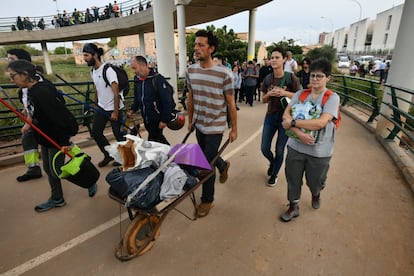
139	237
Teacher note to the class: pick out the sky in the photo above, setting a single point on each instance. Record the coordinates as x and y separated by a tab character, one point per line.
301	20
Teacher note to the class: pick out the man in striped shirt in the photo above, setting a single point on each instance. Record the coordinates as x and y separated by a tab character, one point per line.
210	91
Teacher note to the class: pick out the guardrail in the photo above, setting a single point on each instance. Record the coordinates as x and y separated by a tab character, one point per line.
367	95
125	7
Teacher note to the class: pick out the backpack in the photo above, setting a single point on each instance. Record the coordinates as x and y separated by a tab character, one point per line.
157	92
325	98
122	75
70	122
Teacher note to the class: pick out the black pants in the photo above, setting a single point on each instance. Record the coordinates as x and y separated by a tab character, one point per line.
99	122
155	133
209	144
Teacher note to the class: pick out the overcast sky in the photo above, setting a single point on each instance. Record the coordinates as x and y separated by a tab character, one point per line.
301	20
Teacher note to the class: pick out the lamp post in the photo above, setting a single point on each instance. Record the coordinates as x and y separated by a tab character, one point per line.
57	8
332	28
360	9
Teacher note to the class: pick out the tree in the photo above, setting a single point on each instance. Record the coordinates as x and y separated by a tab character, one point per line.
229	46
62	51
327	52
32	51
113	42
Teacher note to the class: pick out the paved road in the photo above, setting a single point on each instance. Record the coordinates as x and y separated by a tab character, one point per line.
364	227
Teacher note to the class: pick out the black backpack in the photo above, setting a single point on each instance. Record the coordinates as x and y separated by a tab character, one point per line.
157	92
122	75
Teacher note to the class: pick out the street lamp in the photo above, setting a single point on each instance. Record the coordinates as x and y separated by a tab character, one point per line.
57	8
332	28
360	9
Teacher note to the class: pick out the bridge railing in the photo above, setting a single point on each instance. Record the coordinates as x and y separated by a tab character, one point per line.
125	8
366	95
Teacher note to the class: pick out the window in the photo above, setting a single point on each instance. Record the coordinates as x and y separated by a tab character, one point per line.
388	22
385	40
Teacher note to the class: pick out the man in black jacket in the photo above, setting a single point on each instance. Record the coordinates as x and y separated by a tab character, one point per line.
156	106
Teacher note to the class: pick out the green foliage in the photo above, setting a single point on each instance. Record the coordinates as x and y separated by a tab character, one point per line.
327	52
112	42
62	51
32	51
229	46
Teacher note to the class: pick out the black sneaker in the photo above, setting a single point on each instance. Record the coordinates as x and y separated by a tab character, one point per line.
105	162
272	181
32	173
291	213
92	190
316	201
51	203
270	170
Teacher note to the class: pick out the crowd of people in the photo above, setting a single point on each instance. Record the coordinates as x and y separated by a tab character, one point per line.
301	111
92	14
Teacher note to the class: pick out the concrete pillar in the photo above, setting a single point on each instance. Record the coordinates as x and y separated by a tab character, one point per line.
400	68
48	65
141	44
164	40
182	45
252	34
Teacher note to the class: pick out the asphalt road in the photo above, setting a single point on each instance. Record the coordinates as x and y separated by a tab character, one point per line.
365	225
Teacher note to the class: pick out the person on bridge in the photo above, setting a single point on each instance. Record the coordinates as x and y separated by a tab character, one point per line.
156	107
29	142
276	85
210	91
108	101
311	149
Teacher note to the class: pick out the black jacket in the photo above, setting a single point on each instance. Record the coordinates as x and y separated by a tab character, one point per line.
49	113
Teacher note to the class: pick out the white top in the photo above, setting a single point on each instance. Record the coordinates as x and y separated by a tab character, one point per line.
105	93
289	64
24	97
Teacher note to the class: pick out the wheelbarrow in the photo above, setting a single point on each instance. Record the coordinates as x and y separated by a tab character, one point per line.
145	225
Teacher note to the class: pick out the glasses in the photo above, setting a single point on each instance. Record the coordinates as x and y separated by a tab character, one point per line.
317	76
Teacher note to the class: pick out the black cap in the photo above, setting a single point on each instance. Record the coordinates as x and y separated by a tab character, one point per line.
90	48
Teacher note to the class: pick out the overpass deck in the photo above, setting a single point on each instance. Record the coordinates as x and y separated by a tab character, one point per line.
364	227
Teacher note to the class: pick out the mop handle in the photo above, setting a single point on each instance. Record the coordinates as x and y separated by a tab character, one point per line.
38	130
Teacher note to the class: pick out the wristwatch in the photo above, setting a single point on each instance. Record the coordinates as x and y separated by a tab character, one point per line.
293	123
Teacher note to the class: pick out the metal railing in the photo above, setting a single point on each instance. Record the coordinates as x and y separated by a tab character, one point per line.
125	8
367	95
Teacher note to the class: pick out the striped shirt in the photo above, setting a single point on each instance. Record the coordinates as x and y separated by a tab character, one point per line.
209	87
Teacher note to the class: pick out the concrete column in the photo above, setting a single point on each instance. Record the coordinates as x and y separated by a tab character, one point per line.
48	65
142	44
400	68
252	34
164	40
182	45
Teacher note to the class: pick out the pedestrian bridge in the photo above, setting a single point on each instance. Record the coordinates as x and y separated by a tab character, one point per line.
196	12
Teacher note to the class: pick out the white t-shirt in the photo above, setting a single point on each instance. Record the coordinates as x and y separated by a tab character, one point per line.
289	64
105	93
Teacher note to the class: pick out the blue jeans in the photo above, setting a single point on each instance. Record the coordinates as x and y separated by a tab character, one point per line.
273	123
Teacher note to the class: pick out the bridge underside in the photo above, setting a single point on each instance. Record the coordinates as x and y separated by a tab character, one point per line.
197	12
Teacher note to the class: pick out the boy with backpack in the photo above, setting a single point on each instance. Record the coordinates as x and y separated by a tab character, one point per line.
152	96
312	121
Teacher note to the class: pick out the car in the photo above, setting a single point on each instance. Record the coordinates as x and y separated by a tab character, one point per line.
343	62
365	60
